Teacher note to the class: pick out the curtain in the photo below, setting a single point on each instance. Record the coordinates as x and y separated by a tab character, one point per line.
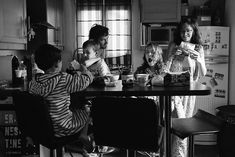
114	14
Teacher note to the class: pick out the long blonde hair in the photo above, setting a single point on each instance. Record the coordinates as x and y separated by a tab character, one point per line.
156	48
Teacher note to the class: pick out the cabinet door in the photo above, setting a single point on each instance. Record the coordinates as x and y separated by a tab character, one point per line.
54	17
12	21
160	11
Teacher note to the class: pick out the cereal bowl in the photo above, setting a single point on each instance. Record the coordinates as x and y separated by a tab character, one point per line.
115	77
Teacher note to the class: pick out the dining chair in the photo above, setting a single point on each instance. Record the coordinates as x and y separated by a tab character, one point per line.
127	123
34	121
2	142
201	123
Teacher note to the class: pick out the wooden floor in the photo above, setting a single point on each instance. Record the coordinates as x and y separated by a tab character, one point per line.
200	151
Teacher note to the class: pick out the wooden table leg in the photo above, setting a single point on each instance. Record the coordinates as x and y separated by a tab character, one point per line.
163	123
167	103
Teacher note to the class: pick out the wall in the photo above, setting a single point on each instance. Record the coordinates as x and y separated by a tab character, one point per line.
229	20
69	39
18	53
137	52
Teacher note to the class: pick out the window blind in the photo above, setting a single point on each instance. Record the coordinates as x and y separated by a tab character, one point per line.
114	14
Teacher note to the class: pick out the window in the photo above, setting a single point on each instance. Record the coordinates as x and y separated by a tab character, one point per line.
114	14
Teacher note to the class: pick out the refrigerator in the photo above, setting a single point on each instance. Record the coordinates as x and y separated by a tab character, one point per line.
216	48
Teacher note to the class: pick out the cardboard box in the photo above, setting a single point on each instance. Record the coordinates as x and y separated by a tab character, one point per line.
13	142
177	79
11	133
204	20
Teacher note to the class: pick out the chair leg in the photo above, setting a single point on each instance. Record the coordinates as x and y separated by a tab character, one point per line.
58	152
130	153
161	108
191	146
51	152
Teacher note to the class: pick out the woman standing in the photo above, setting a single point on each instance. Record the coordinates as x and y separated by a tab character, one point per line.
185	54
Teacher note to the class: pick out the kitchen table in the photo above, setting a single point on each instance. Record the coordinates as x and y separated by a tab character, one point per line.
164	93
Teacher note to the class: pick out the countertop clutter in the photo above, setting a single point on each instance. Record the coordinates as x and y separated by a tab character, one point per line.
6	94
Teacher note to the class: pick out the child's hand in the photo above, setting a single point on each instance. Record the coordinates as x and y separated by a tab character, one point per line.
74	65
165	68
108	78
183	51
82	68
178	50
193	54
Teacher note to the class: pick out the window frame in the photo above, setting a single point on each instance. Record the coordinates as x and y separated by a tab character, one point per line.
104	21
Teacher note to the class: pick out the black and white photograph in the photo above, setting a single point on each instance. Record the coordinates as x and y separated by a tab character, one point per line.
117	78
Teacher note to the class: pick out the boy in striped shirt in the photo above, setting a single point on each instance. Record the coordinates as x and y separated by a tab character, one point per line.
56	87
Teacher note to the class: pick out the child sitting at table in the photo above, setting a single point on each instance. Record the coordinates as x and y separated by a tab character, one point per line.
96	65
153	64
56	87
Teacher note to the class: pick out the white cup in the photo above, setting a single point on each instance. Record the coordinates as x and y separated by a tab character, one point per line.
142	79
127	80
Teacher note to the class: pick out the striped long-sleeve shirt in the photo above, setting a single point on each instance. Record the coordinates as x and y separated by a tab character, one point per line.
56	88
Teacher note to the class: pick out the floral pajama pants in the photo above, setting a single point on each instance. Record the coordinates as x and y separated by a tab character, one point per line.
182	107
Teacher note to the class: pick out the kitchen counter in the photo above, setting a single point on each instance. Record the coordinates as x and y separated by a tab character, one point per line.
6	94
8	91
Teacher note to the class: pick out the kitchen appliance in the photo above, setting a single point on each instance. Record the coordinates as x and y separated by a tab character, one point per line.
156	33
216	48
161	35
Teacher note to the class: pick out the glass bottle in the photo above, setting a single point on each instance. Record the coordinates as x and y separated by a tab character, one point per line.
28	64
24	80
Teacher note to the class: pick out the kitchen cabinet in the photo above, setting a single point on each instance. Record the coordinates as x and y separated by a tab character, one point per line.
54	17
13	32
160	11
45	18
